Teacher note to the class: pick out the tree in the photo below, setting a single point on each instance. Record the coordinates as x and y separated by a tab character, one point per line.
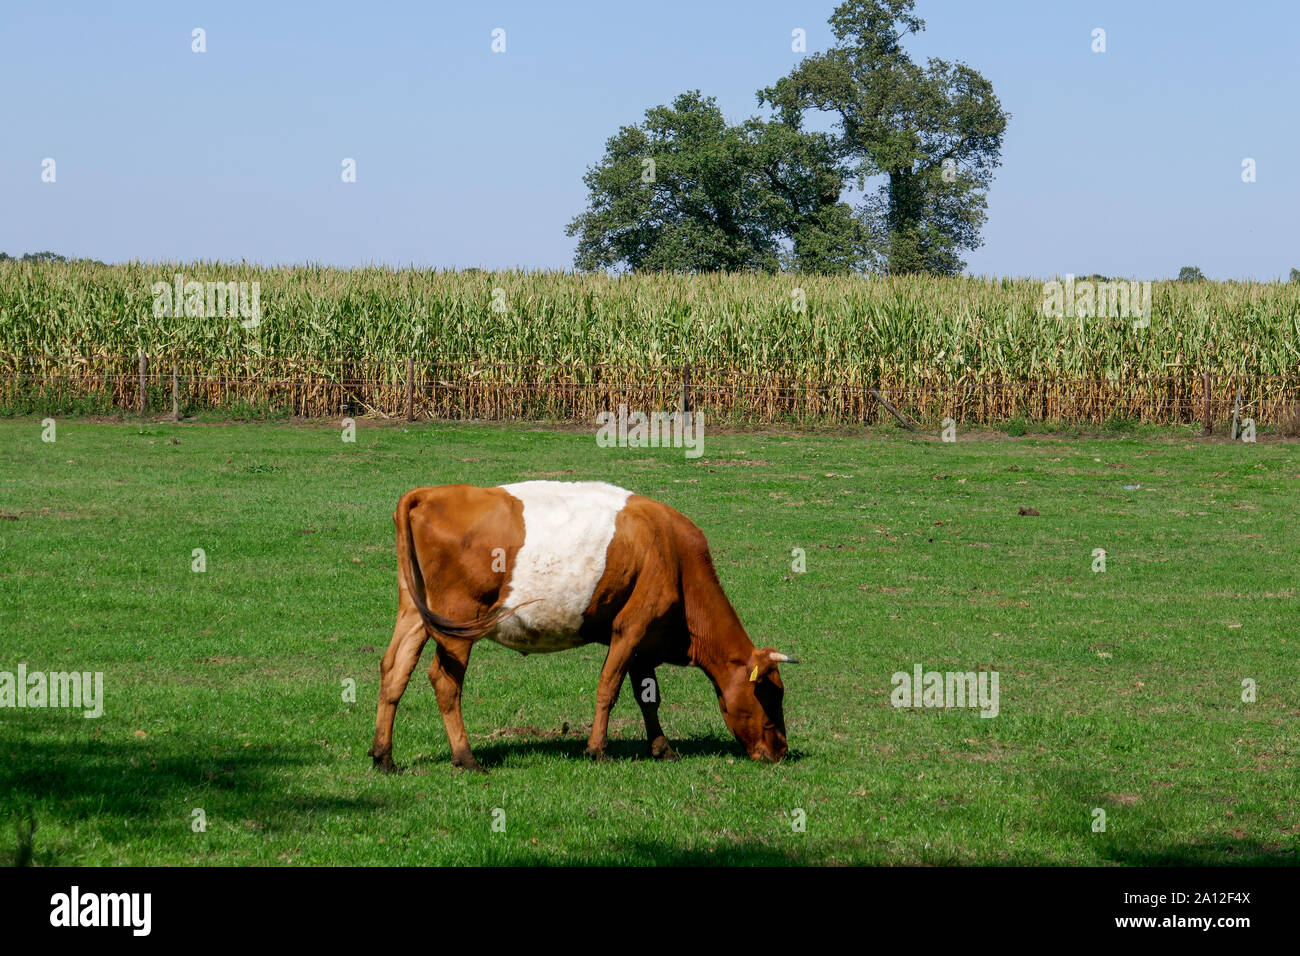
1191	274
46	257
686	191
933	133
1295	275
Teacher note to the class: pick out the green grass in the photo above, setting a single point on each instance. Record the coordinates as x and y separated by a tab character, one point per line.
1119	690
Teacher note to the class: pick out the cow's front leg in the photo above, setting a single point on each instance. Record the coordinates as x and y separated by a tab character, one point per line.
621	646
448	677
645	685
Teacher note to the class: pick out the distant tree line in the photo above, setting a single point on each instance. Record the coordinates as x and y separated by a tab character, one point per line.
1194	274
44	257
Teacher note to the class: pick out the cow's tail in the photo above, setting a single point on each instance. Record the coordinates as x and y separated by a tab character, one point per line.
408	565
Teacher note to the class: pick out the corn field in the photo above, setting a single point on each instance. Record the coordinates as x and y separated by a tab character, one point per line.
539	345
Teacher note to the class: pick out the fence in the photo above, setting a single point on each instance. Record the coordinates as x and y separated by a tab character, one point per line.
416	389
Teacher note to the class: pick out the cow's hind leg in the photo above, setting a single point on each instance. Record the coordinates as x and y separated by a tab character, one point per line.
395	669
645	685
447	674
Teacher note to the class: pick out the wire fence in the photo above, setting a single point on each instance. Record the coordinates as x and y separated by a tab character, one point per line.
423	390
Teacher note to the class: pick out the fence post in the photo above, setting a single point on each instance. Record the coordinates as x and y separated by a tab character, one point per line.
1205	411
686	395
902	419
410	388
176	399
144	371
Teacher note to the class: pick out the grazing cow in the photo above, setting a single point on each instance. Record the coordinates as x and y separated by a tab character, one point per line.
543	566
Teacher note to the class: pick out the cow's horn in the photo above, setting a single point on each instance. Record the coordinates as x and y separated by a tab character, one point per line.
783	658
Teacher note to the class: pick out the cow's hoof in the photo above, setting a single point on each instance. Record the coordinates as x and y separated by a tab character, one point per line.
662	751
596	753
384	763
468	763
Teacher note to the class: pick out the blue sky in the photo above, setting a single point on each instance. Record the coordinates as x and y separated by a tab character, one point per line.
1126	162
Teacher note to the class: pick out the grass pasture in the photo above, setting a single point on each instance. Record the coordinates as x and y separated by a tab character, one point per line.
1120	691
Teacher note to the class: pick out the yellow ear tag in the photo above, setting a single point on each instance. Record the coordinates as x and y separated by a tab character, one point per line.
753	675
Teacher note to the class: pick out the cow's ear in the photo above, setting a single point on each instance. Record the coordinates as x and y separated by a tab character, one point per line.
763	661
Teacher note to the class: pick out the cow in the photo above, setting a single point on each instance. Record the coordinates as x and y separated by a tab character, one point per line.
543	566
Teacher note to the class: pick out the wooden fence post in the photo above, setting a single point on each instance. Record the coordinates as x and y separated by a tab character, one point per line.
144	371
410	389
902	420
176	398
686	392
1206	406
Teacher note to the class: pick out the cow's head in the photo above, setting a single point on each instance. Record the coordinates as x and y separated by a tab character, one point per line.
750	696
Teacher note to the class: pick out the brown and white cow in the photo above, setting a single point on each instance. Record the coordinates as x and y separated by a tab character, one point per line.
543	566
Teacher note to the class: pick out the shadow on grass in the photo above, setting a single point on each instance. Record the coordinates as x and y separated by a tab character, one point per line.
498	751
138	793
1217	852
1075	791
647	853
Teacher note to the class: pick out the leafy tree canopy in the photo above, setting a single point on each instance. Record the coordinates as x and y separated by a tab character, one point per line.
934	133
684	190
